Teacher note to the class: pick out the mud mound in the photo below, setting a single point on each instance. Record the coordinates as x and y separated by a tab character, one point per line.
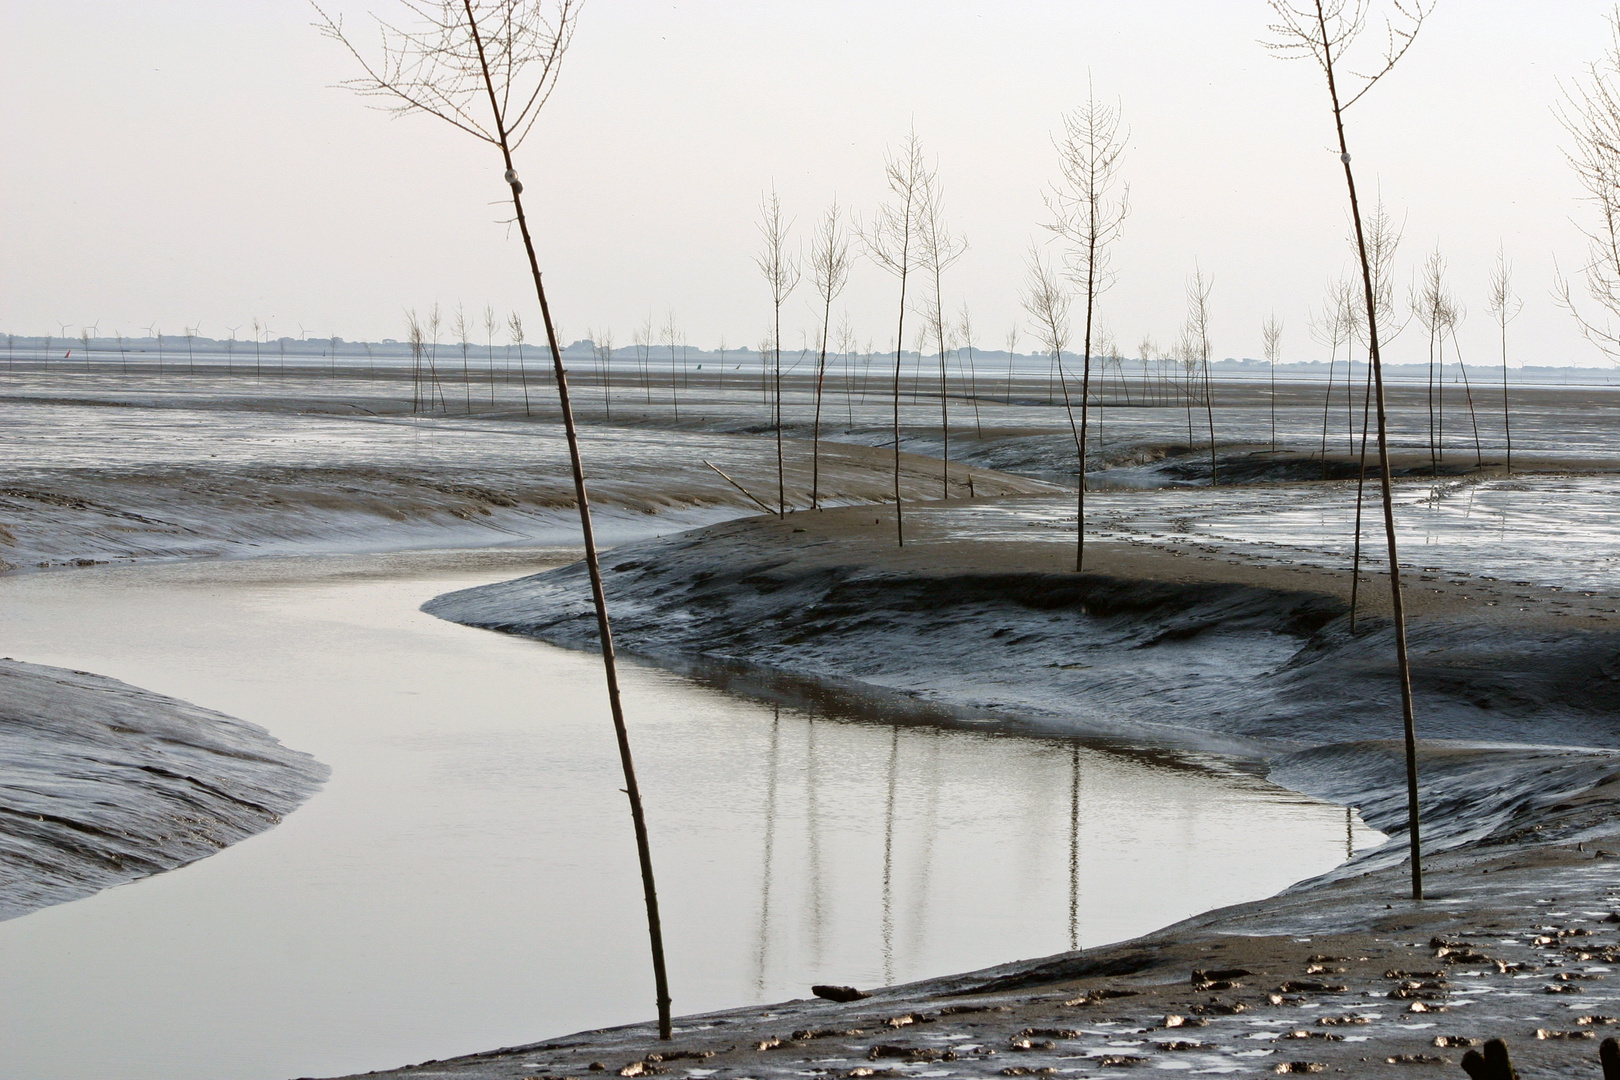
102	783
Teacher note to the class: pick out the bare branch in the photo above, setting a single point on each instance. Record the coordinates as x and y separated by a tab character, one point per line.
1590	113
430	63
1330	29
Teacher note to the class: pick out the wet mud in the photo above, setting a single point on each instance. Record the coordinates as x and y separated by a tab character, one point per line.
103	783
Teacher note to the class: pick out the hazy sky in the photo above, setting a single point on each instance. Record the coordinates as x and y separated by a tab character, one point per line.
189	162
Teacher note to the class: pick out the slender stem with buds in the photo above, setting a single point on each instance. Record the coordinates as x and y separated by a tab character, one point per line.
654	927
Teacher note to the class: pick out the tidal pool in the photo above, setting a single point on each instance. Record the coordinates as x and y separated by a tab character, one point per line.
467	878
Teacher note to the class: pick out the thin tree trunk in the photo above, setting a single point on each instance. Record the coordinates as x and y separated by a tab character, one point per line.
1273	368
781	475
899	337
1440	402
1080	455
1468	392
973	389
1327	403
1361	485
1434	460
598	597
1398	609
815	431
1209	409
944	410
1507	426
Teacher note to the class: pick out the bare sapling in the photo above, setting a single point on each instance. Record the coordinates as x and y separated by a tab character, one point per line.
1430	303
1144	352
1048	303
1332	329
1012	351
847	349
893	243
1088	206
489	350
781	273
1456	315
1354	315
939	250
604	357
514	331
459	327
964	333
414	335
1185	352
1504	307
1324	31
672	338
641	337
1590	114
445	66
1271	340
1122	385
1197	338
1329	329
1107	356
435	323
829	273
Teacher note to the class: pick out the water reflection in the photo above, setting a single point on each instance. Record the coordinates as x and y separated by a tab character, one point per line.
1074	849
467	879
881	849
772	766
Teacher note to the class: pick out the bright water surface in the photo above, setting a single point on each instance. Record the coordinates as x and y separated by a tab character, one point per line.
467	878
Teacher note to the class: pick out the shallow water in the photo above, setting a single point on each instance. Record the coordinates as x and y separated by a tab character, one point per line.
466	879
1561	531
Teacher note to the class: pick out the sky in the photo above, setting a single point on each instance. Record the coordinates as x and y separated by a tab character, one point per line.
174	163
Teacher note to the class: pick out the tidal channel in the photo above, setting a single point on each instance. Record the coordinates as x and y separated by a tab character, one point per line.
467	878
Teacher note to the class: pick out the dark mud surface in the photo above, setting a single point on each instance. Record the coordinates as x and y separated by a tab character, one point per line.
103	783
1146	646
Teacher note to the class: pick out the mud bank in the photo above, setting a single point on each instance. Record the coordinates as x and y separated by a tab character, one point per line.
85	516
1148	645
103	783
1520	721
